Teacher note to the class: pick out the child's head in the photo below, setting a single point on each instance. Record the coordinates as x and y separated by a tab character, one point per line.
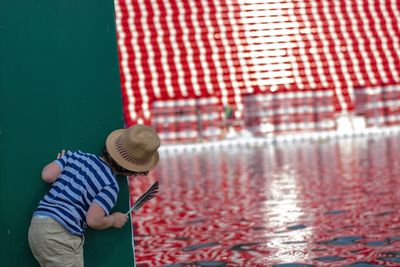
117	169
132	151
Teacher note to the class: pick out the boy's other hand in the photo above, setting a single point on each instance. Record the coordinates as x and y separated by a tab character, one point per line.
62	153
120	219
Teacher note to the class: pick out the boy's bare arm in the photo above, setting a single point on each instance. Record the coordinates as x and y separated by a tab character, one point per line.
50	172
96	218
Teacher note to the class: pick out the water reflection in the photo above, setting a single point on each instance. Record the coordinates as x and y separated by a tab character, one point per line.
330	203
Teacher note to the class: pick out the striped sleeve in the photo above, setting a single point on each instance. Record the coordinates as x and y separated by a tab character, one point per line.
61	162
107	197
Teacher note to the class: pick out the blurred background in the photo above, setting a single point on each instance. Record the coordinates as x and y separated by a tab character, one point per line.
204	71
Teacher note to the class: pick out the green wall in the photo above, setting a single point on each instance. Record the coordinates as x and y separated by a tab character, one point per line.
59	88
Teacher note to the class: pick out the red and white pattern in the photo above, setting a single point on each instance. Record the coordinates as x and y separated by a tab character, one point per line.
287	112
379	105
284	205
177	50
187	120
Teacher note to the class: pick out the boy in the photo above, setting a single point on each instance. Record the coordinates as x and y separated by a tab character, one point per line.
84	190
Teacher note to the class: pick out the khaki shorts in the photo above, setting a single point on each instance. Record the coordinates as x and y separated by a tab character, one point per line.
53	246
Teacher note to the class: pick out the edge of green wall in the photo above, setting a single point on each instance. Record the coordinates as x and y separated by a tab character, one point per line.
59	88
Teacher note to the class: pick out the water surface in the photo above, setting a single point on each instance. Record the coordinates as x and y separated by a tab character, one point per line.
325	203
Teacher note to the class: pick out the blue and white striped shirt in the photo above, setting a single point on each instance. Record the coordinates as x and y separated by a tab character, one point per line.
84	179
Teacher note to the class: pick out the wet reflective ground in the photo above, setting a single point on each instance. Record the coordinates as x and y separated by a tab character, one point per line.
327	203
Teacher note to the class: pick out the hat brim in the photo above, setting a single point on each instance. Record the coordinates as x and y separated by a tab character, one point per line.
111	148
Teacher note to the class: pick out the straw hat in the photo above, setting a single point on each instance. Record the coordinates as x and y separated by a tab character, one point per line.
134	148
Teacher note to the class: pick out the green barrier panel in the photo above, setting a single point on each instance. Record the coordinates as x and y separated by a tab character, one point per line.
59	88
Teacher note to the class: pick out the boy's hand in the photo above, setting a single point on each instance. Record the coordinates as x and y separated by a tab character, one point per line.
96	218
120	219
62	153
